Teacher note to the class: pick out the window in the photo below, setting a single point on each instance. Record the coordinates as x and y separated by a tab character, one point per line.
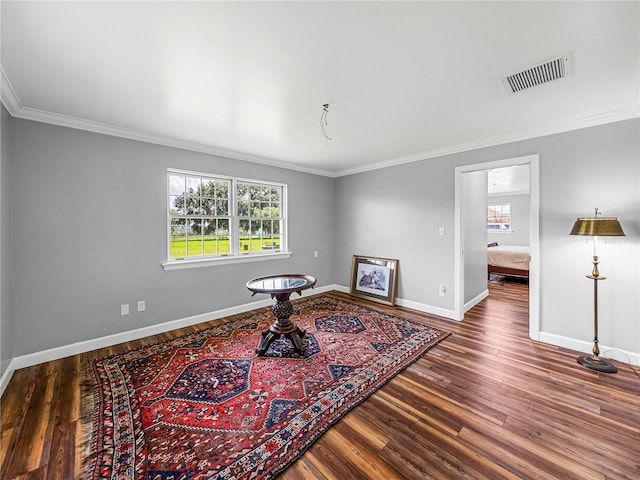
259	208
499	217
211	217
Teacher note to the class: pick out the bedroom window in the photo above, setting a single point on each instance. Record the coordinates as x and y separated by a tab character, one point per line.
499	217
213	217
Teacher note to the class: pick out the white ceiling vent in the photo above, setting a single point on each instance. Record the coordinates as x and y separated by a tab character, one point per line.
543	72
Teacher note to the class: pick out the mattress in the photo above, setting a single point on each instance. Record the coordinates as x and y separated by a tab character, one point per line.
509	256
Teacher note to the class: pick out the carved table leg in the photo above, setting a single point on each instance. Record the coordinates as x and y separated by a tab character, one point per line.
283	325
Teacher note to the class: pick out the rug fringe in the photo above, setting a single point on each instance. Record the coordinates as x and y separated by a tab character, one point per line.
88	419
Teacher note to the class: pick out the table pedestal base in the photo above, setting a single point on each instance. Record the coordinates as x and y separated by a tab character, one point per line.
283	326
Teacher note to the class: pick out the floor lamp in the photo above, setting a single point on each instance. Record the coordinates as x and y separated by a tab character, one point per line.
597	227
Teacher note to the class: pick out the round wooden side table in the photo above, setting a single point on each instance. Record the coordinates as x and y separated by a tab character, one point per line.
281	287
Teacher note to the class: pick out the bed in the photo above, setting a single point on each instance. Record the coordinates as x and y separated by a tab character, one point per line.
508	260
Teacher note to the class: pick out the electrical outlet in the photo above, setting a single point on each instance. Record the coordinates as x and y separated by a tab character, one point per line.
315	254
124	309
141	306
442	290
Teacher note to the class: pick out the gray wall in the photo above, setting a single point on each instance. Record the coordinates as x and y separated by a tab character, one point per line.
6	350
396	212
519	220
89	228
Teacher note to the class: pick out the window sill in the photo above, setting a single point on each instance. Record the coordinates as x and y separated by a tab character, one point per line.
214	262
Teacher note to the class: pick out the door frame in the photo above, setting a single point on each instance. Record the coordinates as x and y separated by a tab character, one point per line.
534	236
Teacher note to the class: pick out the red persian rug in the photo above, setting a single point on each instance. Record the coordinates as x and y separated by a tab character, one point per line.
205	406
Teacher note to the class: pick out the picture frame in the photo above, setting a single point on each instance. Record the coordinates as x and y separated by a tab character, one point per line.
374	278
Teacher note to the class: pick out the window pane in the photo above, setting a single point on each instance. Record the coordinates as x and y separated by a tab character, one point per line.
223	227
176	184
222	189
194	238
243	191
210	245
176	205
256	228
193	185
208	188
222	207
222	233
224	245
268	240
193	205
208	227
208	206
243	236
243	208
208	237
178	240
244	227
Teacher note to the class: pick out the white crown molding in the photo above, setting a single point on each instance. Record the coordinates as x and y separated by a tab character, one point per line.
106	129
8	95
16	109
601	119
635	106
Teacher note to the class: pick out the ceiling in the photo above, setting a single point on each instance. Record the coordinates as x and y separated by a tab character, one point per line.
404	81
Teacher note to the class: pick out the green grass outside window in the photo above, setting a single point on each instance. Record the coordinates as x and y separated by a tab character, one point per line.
219	246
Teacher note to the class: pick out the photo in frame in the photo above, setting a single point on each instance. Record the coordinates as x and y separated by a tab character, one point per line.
374	278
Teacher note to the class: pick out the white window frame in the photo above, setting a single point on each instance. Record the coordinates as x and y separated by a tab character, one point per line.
234	255
508	230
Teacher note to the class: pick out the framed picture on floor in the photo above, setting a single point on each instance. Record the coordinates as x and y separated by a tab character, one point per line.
374	278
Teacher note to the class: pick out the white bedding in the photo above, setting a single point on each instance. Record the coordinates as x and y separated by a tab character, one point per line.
509	256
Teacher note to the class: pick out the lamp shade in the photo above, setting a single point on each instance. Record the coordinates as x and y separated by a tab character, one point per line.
597	227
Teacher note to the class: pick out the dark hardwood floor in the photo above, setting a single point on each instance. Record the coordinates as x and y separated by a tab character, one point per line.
486	403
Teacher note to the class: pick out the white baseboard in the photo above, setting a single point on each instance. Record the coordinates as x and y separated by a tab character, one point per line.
6	376
474	301
552	339
342	288
31	359
623	356
422	307
56	353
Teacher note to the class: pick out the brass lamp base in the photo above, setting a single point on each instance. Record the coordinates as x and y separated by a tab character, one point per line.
596	363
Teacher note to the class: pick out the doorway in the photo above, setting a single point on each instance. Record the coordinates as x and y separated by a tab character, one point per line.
534	236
